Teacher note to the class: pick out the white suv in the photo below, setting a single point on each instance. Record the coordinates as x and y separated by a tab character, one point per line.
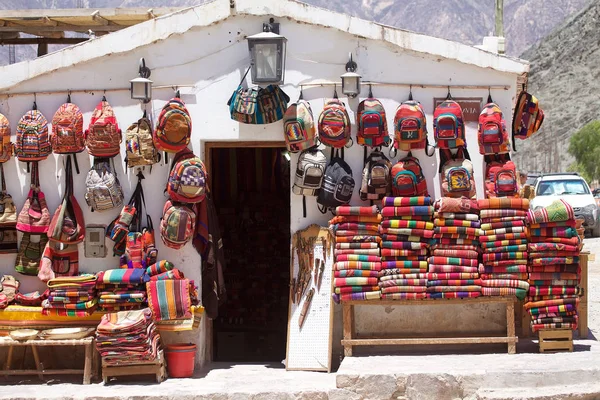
574	190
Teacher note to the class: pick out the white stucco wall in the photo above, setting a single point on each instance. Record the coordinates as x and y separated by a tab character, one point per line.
213	59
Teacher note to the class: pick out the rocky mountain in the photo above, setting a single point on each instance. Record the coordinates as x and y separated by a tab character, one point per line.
566	79
467	21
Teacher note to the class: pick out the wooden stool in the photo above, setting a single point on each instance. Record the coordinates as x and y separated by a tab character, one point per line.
556	340
156	368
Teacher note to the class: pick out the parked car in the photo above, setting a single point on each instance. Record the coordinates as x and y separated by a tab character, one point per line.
574	190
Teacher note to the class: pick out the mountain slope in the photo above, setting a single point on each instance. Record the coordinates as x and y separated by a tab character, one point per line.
566	78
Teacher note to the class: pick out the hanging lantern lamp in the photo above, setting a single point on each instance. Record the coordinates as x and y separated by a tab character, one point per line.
267	55
141	87
351	80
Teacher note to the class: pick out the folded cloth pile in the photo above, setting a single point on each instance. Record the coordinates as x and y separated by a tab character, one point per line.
553	267
454	264
71	296
504	244
122	289
406	229
357	253
127	338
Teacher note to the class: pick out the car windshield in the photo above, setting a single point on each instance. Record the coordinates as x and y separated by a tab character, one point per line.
557	188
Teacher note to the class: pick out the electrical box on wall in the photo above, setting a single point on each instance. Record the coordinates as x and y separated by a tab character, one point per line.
94	241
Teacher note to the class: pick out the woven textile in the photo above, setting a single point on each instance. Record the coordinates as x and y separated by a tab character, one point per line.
502	231
376	295
457	216
461	205
495	220
468	242
453	295
408	211
367	252
457	230
456	253
451	275
544	276
442	289
406	201
368	245
404	264
443	246
555	260
498	275
537	327
383	278
358	238
506	236
570	223
393	223
469	262
516	255
562	232
546	254
172	274
488	269
408	232
505	263
457	222
404	296
485	214
402	253
403	245
363	265
169	299
401	271
354	210
159	267
454	282
504	203
91	304
505	283
571	268
505	249
500	225
555	282
558	211
123	276
361	218
502	243
355	289
349	226
404	238
355	232
355	282
347	273
63	312
404	289
552	309
403	282
451	268
553	302
504	291
574	241
552	290
358	257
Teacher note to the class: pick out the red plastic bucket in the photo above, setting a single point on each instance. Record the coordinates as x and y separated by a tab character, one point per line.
180	359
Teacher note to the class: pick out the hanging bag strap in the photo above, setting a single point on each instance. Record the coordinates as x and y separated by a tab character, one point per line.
3	180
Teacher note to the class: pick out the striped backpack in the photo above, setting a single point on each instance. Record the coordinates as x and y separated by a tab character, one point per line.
139	144
102	187
372	123
456	174
376	178
448	125
6	149
299	127
491	133
501	179
187	180
528	117
410	126
334	124
33	143
178	224
174	128
408	179
67	130
103	136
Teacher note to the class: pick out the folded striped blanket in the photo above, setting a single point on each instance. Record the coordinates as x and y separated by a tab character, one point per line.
499	203
426	218
555	260
504	291
453	242
502	215
355	218
357	257
407	210
351	226
504	249
371	232
400	271
403	282
104	302
571	268
554	302
460	216
453	295
452	275
355	289
402	253
397	223
574	241
505	283
457	230
552	290
63	299
376	295
404	264
552	309
457	222
486	269
63	312
515	275
362	265
123	276
461	205
357	245
383	278
347	273
404	238
404	245
537	327
469	262
454	236
354	281
81	281
172	274
406	201
466	288
404	258
456	253
540	298
358	238
510	255
403	289
159	267
558	211
501	243
504	263
366	252
454	282
550	320
544	254
564	314
122	296
502	231
426	233
545	276
501	225
505	236
535	247
442	246
356	210
451	268
71	306
403	296
570	223
73	292
554	232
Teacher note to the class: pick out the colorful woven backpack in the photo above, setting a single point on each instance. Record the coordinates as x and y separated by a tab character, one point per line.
30	254
448	125
34	216
528	117
456	174
372	123
67	131
410	126
32	143
501	179
334	124
103	136
299	128
174	128
6	149
139	144
491	133
408	179
178	224
187	180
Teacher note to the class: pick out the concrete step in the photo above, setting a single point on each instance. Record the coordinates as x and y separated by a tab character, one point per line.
567	392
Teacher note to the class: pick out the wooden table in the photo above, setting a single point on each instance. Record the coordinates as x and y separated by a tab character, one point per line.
40	371
350	339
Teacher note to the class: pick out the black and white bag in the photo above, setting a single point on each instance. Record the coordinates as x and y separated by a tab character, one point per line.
309	174
338	185
102	187
376	177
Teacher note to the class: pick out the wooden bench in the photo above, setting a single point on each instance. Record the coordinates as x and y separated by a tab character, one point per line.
350	339
40	371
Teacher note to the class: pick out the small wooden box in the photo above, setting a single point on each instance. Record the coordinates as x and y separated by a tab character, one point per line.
556	340
156	368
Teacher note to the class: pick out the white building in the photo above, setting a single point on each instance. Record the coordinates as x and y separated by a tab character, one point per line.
203	52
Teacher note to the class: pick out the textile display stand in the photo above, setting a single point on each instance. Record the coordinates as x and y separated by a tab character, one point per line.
156	367
350	339
90	357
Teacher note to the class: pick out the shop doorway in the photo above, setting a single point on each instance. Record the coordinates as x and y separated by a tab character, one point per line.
250	183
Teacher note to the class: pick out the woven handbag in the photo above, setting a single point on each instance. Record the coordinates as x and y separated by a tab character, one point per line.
30	254
8	220
59	259
35	216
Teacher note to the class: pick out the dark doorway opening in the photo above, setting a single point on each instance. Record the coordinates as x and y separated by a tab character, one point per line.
251	191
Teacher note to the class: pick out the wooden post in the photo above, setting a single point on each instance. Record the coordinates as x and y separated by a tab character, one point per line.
87	366
500	18
38	364
583	301
42	49
9	358
348	317
510	325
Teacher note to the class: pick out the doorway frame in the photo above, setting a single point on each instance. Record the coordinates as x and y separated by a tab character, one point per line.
208	147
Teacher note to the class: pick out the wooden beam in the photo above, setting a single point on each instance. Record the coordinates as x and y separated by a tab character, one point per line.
49	22
29	41
62	28
82	12
98	18
52	35
9	35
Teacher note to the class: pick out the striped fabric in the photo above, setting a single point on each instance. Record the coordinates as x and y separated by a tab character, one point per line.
340	219
169	299
393	223
358	257
402	253
403	282
457	216
454	282
366	252
358	238
376	295
361	265
504	291
403	245
451	268
443	289
425	233
159	267
347	273
403	296
499	203
338	282
452	275
354	210
403	289
504	249
500	225
368	245
508	275
406	201
535	247
555	260
355	289
487	213
371	227
408	211
558	211
404	264
505	283
469	262
123	276
453	295
500	243
456	253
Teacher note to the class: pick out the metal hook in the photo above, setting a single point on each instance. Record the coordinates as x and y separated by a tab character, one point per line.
69	96
143	70
489	99
370	91
335	95
449	96
104	96
410	96
177	93
34	101
301	97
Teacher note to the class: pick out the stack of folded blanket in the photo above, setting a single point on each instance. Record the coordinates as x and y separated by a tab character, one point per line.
454	264
504	243
554	271
357	253
127	338
406	229
122	289
71	296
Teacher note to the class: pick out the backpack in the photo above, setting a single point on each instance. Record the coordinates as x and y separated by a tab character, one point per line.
174	128
103	136
501	179
456	174
139	144
32	137
34	216
187	179
102	187
410	126
309	174
299	127
30	254
8	220
372	124
528	117
408	179
6	149
334	124
58	259
492	135
67	130
448	125
338	185
376	177
177	225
